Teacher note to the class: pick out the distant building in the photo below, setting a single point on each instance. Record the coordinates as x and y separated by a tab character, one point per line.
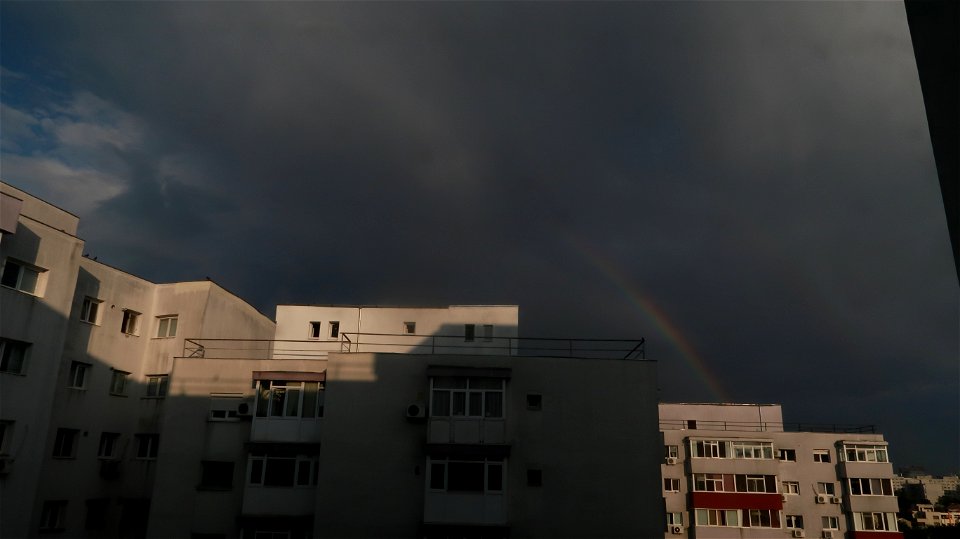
736	470
926	515
927	487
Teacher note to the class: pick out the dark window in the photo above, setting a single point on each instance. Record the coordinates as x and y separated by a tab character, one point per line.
108	445
12	354
469	332
314	330
216	474
534	477
279	472
334	330
97	514
157	385
494	477
52	515
11	274
438	472
534	401
65	443
256	472
691	424
465	476
147	446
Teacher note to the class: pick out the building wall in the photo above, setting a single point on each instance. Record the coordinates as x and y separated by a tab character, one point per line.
43	238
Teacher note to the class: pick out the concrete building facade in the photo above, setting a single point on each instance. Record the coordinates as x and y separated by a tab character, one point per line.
734	470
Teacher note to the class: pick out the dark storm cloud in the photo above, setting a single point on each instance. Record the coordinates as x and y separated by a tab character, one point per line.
759	172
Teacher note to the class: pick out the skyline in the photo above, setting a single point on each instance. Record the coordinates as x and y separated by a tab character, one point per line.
750	187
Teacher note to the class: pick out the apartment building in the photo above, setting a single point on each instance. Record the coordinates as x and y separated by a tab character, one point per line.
737	470
137	409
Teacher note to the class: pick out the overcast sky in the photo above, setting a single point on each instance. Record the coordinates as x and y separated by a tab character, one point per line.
750	186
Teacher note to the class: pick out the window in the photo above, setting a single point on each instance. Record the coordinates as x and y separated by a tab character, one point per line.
477	475
118	383
671	451
794	522
166	326
269	471
870	487
65	444
13	355
752	450
883	522
227	407
108	445
469	332
788	455
865	453
97	514
821	455
314	330
21	276
279	399
157	385
718	517
466	397
791	487
761	518
216	474
147	446
708	482
534	401
534	477
830	523
90	310
674	519
334	330
130	323
53	515
708	449
78	375
488	332
671	485
826	488
410	328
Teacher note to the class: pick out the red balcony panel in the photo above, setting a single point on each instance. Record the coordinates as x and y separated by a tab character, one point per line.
875	535
735	500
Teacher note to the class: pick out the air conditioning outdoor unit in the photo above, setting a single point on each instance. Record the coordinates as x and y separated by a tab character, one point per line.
416	411
243	410
835	500
827	534
798	533
821	498
671	460
676	530
6	464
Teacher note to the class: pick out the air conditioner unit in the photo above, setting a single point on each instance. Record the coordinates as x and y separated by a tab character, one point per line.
835	500
671	460
416	411
798	533
243	410
821	498
676	530
827	534
6	464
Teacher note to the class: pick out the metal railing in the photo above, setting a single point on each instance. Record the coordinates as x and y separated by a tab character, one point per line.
353	342
764	426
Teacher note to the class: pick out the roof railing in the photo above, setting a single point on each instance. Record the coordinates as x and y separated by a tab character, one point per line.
763	426
356	342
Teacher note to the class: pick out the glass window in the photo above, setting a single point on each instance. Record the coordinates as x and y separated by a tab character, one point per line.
78	375
64	445
469	332
108	445
314	330
157	385
130	324
118	382
21	276
13	355
334	330
147	445
166	326
89	311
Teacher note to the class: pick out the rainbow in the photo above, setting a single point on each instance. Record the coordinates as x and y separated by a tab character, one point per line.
646	307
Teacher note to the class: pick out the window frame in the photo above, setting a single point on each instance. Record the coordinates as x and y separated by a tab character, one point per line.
118	382
787	455
671	451
53	515
826	488
793	522
790	488
721	518
855	486
755	518
150	441
887	521
170	331
7	349
267	389
263	461
78	369
409	328
314	330
468	397
108	447
65	443
830	522
22	269
821	456
158	385
130	322
333	329
863	452
469	332
487	332
487	469
90	310
671	484
674	518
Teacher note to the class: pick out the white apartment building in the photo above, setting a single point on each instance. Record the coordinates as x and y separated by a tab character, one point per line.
136	409
737	470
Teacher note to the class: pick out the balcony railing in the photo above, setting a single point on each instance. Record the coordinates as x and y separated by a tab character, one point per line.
352	342
765	426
